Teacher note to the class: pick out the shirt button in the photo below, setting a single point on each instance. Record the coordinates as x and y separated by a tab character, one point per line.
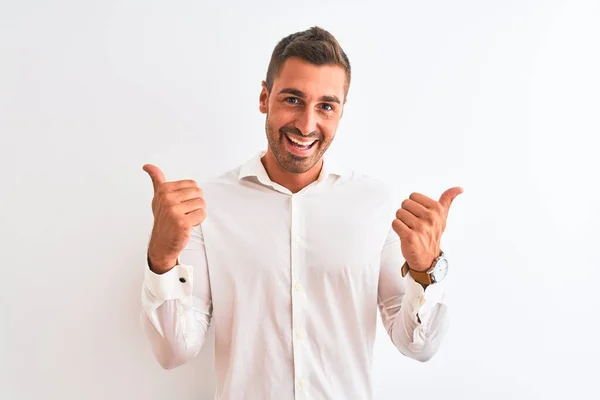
302	383
300	334
298	239
299	286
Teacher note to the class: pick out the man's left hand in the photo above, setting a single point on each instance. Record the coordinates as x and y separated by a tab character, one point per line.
420	224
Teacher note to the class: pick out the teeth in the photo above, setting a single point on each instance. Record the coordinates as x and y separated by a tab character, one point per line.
301	143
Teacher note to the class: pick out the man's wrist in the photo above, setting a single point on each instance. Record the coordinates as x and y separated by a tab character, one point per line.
160	267
421	277
435	273
419	280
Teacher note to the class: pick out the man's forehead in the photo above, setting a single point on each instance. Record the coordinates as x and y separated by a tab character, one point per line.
306	77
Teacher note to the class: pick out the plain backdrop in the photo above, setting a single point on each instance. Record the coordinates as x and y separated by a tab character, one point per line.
499	97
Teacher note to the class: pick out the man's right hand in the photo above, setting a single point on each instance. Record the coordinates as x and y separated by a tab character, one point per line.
177	207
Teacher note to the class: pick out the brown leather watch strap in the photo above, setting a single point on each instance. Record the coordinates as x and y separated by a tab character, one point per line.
422	277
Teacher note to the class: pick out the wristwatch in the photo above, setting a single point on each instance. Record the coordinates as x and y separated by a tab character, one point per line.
437	272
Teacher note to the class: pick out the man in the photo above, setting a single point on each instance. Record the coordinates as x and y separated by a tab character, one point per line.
288	256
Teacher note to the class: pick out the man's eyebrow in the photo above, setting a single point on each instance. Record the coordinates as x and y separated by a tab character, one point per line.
330	99
294	92
299	93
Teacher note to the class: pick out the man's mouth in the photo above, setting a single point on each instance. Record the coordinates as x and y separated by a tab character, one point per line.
301	144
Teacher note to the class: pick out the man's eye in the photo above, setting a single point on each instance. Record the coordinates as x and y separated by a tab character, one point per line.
327	107
292	100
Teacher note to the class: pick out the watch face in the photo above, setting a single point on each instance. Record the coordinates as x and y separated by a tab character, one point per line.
440	271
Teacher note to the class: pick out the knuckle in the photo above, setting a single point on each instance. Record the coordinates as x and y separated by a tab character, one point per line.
181	224
429	216
162	188
172	211
440	209
419	227
167	198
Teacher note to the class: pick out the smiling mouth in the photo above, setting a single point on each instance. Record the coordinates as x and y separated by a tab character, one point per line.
301	144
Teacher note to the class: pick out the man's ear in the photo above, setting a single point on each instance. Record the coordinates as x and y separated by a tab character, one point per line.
263	103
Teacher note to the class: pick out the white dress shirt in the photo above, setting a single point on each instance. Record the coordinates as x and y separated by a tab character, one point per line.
291	284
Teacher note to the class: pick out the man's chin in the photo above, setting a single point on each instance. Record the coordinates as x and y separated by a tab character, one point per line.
297	164
296	168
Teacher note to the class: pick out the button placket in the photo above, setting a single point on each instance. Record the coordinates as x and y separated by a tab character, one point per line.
297	292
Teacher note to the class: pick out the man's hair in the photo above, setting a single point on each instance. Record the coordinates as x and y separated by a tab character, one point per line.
314	45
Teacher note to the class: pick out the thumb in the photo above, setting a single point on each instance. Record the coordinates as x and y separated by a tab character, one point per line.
449	195
156	175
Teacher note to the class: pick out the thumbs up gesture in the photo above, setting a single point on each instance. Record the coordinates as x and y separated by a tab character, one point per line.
420	224
177	207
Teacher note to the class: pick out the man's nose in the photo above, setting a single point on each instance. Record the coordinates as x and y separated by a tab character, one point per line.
307	122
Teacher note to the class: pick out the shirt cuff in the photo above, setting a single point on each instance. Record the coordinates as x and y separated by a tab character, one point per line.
174	284
423	301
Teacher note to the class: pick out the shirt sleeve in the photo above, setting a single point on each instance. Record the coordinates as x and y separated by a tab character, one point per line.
177	305
414	318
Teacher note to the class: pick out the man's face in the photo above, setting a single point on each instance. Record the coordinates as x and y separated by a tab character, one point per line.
305	105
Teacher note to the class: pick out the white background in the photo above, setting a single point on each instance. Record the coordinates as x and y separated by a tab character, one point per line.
499	97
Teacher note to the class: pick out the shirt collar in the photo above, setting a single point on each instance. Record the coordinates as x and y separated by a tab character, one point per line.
254	168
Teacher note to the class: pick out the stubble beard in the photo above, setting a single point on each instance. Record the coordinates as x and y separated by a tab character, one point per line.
285	159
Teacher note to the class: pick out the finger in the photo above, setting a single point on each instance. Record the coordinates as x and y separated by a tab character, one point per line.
415	208
185	194
195	218
449	195
156	175
400	227
179	185
409	219
425	201
191	206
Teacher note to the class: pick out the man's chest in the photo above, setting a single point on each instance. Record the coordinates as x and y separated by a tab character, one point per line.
275	235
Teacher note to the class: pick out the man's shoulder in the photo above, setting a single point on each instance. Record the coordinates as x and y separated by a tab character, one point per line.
370	183
233	177
223	180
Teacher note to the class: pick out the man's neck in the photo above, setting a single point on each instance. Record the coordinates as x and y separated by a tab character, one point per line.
291	181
